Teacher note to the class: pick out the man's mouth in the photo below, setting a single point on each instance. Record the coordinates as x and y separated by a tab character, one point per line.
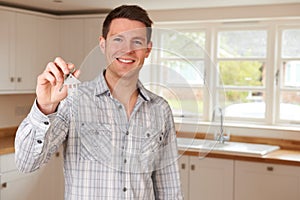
125	60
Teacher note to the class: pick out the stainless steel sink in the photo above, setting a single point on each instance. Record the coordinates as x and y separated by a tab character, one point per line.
230	147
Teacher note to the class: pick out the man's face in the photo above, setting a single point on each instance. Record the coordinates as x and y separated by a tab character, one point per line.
126	46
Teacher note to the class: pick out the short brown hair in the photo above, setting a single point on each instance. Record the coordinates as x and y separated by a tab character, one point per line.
132	12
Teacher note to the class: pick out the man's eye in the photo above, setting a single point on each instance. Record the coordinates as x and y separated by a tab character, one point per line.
117	39
138	42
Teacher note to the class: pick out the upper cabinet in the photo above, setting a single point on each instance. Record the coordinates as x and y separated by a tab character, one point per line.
80	45
7	24
28	42
25	53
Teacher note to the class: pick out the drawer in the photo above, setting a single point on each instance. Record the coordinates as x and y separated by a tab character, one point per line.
7	163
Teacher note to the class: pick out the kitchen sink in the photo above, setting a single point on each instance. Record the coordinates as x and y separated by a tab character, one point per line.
229	147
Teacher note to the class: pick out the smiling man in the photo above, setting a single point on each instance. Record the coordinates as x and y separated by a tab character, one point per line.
119	138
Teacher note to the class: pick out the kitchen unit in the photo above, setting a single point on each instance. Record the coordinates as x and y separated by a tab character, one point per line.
239	176
46	183
30	40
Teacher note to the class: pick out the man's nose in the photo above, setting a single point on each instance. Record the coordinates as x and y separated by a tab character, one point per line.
128	47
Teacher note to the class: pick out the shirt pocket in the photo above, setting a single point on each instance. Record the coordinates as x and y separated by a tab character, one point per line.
95	142
151	148
152	140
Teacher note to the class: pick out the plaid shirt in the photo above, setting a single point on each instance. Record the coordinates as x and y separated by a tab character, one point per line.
106	155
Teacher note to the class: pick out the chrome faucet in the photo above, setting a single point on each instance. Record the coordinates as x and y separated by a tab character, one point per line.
219	135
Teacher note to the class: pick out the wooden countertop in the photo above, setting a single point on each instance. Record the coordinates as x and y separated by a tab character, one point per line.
282	156
286	156
7	145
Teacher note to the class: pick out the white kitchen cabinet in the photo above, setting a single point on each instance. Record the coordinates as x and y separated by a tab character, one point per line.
46	183
7	20
262	181
211	179
18	186
47	43
80	45
25	54
72	40
206	178
183	163
28	42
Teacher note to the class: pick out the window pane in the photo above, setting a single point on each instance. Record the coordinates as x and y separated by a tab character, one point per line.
242	73
183	44
242	44
290	106
291	43
245	104
183	72
291	74
184	101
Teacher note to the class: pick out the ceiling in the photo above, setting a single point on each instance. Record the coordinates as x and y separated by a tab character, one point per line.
103	6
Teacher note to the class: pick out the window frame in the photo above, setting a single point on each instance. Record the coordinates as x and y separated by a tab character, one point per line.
273	60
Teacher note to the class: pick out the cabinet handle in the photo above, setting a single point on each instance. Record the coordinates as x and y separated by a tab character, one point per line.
12	79
19	79
193	167
4	185
182	166
270	168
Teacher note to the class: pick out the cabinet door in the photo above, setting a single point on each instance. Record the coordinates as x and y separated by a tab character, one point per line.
51	179
25	51
7	21
72	41
18	186
47	43
183	163
94	60
261	181
211	179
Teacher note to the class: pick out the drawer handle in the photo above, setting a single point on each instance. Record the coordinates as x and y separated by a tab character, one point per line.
12	79
4	185
270	168
182	166
19	79
193	167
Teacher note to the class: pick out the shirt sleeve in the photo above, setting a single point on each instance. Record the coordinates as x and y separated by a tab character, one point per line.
166	178
37	138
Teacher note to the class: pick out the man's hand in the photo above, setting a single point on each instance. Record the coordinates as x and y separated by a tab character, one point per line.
49	89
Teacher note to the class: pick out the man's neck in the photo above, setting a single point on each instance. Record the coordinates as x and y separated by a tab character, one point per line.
124	89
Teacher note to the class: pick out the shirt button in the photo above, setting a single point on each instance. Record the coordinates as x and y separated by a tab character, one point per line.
120	107
39	141
46	123
124	189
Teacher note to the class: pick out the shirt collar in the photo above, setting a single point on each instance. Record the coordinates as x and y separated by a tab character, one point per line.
102	87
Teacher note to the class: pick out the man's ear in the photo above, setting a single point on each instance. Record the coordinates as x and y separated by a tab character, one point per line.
149	48
102	44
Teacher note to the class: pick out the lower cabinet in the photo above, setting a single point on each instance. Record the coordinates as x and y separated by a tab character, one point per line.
262	181
224	179
47	183
206	178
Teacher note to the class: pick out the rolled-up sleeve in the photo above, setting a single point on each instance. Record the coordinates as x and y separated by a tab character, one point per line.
37	138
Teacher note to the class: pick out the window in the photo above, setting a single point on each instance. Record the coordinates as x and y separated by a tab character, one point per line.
289	73
256	66
241	59
179	58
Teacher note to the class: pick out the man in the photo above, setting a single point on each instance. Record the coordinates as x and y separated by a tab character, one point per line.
119	138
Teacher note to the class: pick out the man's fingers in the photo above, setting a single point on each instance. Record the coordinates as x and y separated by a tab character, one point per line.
62	65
